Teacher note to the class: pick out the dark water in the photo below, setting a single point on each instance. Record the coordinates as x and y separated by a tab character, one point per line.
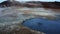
44	25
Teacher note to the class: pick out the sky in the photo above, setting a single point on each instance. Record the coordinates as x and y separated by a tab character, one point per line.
34	0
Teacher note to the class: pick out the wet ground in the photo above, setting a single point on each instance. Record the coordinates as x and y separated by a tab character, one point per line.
12	16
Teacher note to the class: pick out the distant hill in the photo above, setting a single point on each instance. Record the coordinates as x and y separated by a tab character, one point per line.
5	3
43	4
31	4
8	3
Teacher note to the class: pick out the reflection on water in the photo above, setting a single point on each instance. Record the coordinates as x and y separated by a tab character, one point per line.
43	25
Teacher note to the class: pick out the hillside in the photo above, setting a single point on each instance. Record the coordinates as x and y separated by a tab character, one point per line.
31	4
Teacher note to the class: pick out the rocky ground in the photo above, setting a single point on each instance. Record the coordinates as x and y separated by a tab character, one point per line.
18	29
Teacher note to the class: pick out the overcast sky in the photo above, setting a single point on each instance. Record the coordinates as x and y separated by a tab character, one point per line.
34	0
